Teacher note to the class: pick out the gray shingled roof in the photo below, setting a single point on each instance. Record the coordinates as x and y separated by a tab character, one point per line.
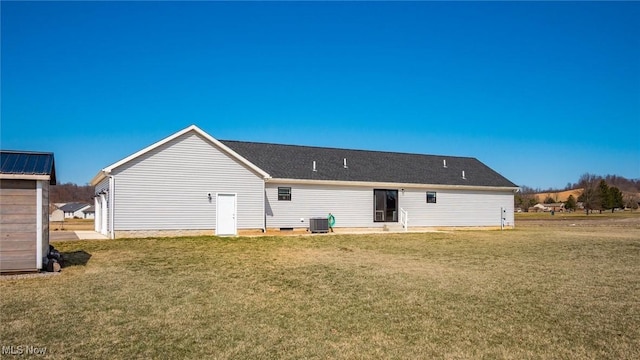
296	162
73	207
27	163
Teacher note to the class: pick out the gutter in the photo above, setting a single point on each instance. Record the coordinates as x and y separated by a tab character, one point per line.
391	185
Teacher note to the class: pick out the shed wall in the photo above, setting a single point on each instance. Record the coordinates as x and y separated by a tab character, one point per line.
167	188
18	225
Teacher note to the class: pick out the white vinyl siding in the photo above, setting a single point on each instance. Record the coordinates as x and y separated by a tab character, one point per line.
168	188
457	207
352	206
102	185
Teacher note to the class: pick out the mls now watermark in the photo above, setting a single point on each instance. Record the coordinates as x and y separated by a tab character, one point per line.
23	350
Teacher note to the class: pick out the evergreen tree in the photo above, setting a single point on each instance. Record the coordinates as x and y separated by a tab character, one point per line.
604	199
615	197
570	204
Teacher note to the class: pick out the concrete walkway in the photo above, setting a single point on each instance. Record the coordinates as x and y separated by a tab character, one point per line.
90	235
75	235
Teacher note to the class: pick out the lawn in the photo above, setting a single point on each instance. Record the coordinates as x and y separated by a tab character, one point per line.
554	291
72	224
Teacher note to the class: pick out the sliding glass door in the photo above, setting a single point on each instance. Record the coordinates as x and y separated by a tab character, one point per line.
385	205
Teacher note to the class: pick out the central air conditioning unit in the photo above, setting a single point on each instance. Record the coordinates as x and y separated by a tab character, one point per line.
319	225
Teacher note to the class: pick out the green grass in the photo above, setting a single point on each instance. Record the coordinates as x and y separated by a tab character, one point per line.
535	292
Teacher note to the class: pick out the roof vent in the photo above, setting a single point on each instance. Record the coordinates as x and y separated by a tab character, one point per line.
314	166
344	163
463	177
444	163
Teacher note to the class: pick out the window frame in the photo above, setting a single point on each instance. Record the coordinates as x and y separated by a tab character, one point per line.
434	197
284	197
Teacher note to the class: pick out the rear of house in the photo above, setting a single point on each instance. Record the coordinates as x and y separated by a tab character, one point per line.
24	209
191	183
373	189
187	184
376	206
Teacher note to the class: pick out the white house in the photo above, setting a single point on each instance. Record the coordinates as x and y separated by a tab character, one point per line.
192	183
75	210
89	213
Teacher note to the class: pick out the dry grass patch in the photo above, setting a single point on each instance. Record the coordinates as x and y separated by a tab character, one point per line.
72	225
534	292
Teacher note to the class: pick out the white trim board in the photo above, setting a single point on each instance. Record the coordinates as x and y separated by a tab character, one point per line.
390	185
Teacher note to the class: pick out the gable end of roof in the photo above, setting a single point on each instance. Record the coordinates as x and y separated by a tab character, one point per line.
107	170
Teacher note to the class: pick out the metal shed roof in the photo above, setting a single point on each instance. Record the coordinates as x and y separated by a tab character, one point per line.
27	164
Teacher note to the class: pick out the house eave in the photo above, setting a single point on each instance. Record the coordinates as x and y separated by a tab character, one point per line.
390	185
99	177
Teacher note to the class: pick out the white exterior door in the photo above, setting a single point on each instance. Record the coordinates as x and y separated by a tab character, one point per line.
226	223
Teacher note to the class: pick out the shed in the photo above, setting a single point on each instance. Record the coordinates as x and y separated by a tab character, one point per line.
25	178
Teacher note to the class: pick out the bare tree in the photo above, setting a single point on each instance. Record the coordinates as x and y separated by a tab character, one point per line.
70	192
526	198
589	197
631	201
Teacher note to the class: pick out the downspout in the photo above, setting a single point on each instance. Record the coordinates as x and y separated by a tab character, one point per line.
515	191
112	196
264	206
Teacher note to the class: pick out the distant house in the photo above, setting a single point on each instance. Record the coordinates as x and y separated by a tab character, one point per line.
55	214
538	208
90	212
75	210
557	207
192	183
24	209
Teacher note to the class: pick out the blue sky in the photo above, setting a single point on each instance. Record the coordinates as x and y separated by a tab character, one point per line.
542	92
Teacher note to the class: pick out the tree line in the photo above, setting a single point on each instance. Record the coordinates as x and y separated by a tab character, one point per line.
70	192
598	193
